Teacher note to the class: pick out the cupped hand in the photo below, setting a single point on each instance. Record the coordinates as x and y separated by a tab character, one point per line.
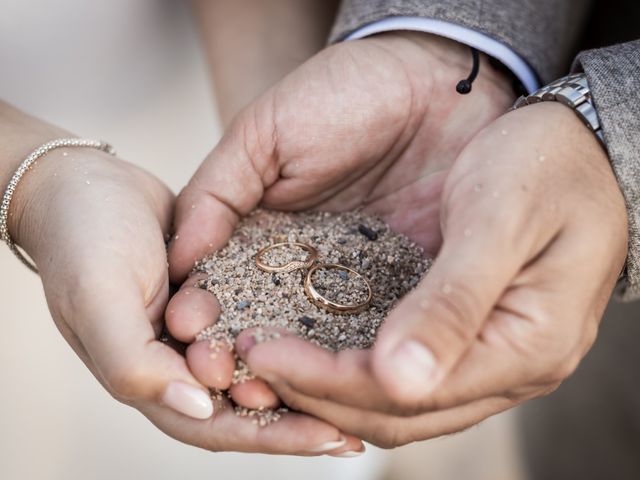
374	123
95	226
534	238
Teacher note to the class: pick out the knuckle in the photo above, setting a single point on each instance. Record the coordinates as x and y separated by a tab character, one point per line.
383	443
564	351
388	433
386	438
256	131
567	367
259	137
549	389
551	353
124	383
563	368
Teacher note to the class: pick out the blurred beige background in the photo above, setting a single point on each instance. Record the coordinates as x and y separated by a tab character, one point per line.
131	72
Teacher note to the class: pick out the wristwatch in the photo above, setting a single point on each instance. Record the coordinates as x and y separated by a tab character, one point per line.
572	91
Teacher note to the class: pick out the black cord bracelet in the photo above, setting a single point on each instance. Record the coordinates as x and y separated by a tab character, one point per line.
464	86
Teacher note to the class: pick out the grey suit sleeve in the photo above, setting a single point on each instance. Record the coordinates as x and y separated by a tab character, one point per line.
543	32
613	74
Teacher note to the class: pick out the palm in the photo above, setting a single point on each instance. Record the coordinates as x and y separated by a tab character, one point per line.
371	130
373	123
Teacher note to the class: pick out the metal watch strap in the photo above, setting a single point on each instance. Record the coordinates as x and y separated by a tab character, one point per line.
572	91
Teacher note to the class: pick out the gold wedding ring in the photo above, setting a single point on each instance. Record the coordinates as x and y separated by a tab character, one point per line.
334	307
289	266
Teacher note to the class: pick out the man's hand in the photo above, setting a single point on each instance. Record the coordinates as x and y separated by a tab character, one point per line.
95	226
374	123
534	238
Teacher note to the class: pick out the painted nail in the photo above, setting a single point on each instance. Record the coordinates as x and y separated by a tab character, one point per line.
414	366
188	400
328	446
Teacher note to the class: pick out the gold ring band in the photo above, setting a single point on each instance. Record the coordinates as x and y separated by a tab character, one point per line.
289	266
334	307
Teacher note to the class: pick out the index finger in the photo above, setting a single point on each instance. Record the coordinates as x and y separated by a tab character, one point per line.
227	185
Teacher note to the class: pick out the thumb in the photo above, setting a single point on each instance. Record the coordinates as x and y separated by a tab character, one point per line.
227	185
114	328
431	328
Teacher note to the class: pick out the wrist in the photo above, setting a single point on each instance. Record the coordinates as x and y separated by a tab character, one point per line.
69	186
51	186
561	121
572	91
452	61
22	135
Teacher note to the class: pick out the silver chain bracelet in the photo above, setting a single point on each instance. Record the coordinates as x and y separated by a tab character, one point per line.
26	164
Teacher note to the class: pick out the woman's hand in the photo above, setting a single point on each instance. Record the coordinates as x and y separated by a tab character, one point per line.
374	123
95	226
534	238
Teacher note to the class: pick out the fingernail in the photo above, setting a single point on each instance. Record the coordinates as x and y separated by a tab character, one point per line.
328	446
188	400
349	454
414	366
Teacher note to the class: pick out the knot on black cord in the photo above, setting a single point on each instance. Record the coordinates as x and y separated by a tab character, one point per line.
463	87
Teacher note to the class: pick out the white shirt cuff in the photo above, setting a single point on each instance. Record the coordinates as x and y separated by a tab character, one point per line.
477	40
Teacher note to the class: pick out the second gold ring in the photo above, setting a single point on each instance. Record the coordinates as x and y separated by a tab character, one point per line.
334	307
